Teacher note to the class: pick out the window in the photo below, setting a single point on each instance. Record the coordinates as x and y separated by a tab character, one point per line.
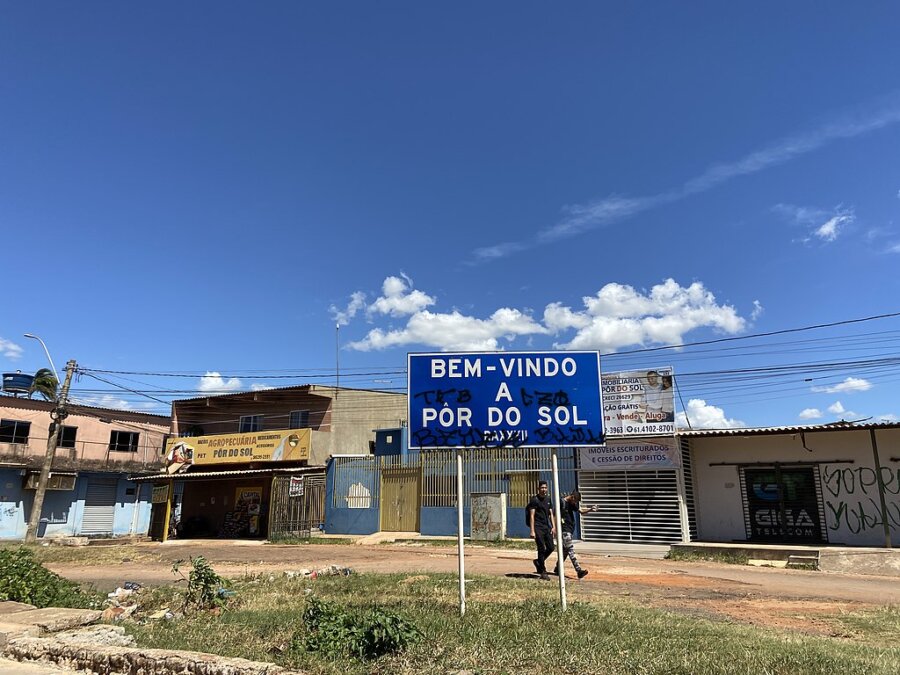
250	423
14	431
67	437
123	441
299	419
55	481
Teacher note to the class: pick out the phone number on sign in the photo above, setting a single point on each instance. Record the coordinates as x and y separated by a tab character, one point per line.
650	429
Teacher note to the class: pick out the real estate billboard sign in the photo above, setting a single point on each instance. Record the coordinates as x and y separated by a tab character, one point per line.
639	402
504	399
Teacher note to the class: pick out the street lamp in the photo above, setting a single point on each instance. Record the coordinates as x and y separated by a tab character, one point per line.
46	351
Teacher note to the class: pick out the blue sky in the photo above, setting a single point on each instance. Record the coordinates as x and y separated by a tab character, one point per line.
208	187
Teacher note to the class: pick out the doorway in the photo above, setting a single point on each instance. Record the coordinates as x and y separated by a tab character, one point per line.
782	505
400	499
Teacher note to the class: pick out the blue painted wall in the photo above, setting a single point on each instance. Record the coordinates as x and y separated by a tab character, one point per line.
342	519
433	521
63	511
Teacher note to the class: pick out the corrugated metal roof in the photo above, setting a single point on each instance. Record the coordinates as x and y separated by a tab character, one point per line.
230	473
804	428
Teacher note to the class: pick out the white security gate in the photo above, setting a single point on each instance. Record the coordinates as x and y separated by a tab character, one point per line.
635	507
99	507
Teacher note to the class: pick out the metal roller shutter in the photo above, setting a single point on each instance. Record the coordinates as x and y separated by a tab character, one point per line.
637	507
99	507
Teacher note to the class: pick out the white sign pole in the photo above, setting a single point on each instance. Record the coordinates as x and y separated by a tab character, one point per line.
459	531
560	558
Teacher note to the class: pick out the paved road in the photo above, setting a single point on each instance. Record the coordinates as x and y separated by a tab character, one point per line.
662	579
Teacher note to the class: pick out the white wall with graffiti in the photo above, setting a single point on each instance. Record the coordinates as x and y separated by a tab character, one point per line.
734	476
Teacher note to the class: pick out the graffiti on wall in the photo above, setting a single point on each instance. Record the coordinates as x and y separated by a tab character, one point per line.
851	498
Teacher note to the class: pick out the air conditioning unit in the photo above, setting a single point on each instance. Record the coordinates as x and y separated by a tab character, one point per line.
57	481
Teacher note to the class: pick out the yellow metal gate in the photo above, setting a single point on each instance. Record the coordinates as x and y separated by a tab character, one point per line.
400	499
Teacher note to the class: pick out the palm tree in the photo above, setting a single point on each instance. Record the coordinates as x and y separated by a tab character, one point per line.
45	384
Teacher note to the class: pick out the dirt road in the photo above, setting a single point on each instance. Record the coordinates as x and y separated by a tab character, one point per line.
776	597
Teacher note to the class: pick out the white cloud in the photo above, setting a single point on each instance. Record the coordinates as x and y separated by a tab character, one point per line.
836	408
705	416
758	310
581	218
260	386
454	331
214	383
110	401
398	298
831	228
618	315
895	248
826	225
10	349
850	385
343	316
810	414
887	417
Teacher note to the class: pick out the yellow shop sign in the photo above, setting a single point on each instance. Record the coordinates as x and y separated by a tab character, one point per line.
259	446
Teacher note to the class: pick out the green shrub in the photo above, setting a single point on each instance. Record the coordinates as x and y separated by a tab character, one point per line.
205	589
24	579
365	635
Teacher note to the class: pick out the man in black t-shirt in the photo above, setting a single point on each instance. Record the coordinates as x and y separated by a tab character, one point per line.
568	507
540	518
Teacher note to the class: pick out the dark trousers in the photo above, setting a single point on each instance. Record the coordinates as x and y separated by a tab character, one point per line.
544	541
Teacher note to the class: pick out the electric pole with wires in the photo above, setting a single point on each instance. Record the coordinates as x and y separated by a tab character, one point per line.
57	415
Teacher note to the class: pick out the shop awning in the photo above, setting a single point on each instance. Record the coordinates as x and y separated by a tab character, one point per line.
234	473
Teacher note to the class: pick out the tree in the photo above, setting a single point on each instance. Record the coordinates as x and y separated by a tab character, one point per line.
45	384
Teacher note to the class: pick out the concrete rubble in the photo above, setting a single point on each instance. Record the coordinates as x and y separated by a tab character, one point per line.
67	638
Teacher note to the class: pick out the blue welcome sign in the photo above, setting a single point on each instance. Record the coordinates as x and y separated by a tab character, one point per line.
504	399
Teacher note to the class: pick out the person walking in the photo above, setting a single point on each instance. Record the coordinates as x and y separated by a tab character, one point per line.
568	507
540	518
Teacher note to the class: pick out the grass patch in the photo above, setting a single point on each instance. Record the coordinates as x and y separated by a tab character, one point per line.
511	625
880	626
517	544
89	555
301	541
720	556
24	579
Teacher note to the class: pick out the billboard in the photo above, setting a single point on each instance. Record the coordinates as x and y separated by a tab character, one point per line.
639	402
258	446
504	399
638	454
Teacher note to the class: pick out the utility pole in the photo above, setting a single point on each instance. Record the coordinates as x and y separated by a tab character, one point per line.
57	415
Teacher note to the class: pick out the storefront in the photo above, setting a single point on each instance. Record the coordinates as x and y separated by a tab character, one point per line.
818	484
638	488
224	485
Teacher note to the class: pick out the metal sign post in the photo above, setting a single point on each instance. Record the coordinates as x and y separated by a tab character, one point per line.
557	510
460	495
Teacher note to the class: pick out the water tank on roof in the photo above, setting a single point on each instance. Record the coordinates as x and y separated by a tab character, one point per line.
17	382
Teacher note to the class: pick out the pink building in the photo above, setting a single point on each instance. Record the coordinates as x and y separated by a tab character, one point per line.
89	493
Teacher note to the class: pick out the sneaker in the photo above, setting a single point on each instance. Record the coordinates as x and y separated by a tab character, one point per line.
582	574
545	576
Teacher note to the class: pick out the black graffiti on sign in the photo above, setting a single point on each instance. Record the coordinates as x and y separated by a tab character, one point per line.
557	399
439	396
496	438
